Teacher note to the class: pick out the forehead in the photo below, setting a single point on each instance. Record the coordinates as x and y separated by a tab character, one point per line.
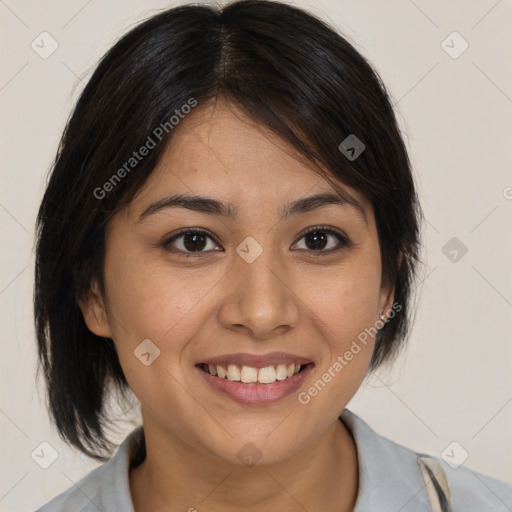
216	150
221	140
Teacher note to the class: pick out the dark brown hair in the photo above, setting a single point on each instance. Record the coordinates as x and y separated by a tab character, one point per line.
284	68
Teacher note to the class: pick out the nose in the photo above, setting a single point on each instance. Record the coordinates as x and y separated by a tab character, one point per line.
260	300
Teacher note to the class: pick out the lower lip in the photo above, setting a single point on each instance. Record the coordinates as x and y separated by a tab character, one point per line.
257	393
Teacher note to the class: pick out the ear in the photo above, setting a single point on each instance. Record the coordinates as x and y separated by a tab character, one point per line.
387	293
95	313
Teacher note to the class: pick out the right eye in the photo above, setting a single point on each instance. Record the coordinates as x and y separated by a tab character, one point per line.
190	242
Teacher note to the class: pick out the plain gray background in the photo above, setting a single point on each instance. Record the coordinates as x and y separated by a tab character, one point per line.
455	382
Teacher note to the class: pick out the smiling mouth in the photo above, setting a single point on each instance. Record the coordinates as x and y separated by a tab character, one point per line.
252	375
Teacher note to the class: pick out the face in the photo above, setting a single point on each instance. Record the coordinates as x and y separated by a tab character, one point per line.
266	283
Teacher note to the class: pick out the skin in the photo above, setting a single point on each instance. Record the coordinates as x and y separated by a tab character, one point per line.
289	299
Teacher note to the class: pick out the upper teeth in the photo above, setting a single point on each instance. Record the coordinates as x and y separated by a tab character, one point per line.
247	374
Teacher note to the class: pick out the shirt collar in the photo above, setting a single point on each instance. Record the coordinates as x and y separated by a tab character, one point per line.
388	472
389	478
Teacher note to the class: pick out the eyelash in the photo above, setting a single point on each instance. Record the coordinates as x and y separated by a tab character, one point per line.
343	241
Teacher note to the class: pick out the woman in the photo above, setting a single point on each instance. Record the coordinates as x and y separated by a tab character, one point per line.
230	232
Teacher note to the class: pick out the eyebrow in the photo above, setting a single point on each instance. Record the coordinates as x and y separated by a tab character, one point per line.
212	206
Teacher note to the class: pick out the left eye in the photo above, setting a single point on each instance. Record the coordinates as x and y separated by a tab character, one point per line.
194	242
317	239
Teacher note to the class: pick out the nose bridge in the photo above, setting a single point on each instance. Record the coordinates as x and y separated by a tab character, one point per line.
260	275
260	298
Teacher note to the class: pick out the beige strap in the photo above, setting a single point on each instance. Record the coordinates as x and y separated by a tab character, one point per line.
436	484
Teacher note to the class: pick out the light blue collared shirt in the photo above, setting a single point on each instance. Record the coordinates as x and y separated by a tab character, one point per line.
389	480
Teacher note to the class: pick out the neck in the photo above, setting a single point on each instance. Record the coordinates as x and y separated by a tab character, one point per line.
322	476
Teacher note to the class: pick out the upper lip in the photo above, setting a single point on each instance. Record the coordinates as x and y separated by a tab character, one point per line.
256	361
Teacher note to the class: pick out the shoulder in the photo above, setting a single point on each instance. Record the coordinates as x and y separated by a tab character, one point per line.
106	488
390	475
81	496
471	490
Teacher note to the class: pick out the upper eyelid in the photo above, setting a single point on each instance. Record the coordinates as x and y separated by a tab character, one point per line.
186	231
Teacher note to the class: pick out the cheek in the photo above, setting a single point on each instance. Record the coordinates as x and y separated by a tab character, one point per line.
148	302
152	300
345	300
344	307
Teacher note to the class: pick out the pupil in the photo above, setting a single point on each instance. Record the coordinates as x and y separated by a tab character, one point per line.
317	239
190	241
